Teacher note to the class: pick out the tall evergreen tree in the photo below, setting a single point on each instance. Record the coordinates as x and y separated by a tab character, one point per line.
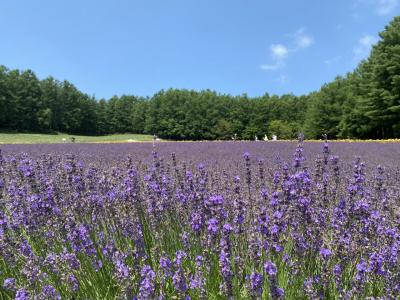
365	103
379	98
325	109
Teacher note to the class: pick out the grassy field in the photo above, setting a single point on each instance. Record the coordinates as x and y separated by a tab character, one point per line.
37	138
31	138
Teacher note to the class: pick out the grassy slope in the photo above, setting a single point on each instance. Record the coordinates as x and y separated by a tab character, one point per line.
31	138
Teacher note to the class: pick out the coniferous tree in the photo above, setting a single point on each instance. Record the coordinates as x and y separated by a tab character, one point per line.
379	98
363	104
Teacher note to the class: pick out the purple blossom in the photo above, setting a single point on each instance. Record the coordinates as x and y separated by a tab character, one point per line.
22	294
10	284
212	226
256	284
270	268
93	211
147	283
50	292
325	253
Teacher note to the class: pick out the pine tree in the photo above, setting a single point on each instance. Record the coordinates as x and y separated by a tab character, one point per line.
379	98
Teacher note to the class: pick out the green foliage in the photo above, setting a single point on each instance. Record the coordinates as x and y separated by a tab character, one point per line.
373	110
27	104
325	109
363	104
223	130
283	130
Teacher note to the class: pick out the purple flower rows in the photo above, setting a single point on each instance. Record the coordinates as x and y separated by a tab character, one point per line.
200	220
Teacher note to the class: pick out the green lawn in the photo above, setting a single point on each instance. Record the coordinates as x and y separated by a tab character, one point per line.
32	138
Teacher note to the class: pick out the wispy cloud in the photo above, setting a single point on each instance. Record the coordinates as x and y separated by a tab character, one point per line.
272	67
385	7
382	7
363	47
302	40
280	52
282	79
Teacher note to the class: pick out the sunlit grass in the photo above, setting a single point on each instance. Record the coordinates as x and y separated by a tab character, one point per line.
33	138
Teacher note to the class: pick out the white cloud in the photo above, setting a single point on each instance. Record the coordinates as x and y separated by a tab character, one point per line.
279	51
385	7
382	7
363	47
302	40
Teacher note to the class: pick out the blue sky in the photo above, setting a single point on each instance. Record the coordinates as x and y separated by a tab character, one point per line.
231	46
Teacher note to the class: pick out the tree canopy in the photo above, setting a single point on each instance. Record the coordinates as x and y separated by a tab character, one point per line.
363	104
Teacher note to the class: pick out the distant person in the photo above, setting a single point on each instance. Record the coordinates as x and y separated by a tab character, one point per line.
301	137
154	139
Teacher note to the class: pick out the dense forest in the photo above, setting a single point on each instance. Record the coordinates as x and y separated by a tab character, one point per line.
363	104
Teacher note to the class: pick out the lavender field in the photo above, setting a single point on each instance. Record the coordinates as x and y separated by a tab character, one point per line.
200	220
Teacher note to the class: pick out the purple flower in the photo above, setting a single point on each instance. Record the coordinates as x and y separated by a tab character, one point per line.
179	281
246	156
179	256
212	226
279	293
165	267
215	200
227	228
147	283
22	294
361	266
121	269
270	268
26	249
225	265
337	270
256	284
50	292
325	253
197	281
196	222
275	291
165	263
376	264
10	284
73	282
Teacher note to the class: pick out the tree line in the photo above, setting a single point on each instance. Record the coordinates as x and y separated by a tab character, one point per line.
363	104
